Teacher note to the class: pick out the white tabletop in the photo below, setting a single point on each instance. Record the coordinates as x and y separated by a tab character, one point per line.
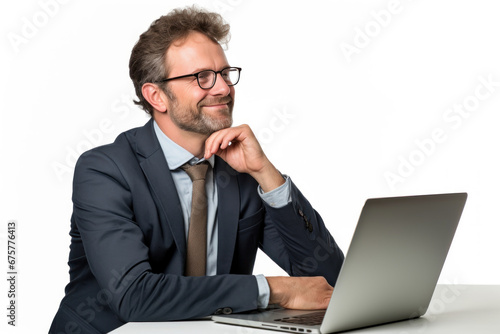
454	309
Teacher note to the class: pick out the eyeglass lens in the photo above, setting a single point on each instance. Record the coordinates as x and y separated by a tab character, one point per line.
206	79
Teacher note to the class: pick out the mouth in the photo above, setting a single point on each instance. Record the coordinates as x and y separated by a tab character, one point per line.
216	106
216	103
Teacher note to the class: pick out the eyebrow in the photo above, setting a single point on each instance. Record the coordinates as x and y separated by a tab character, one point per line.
199	69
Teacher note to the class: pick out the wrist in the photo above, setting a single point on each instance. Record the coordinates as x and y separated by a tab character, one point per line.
269	178
276	289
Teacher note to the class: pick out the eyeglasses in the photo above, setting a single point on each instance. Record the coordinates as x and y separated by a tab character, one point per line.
206	79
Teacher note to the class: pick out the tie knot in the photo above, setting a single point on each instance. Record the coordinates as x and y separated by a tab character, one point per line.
196	172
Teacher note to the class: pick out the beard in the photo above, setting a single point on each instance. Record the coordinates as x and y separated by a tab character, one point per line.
197	121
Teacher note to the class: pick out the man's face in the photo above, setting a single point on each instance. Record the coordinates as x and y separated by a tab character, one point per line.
191	108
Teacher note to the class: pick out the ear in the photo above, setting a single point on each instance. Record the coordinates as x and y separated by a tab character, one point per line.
155	96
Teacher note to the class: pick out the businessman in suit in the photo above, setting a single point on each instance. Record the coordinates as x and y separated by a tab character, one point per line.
131	256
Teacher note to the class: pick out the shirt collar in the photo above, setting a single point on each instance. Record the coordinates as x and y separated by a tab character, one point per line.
176	155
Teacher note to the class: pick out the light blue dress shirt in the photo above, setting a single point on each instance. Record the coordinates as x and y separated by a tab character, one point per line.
177	156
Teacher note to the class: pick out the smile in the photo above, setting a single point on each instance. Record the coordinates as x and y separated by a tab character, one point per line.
224	105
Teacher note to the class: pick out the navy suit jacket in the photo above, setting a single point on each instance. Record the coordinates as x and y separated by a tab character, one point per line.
128	245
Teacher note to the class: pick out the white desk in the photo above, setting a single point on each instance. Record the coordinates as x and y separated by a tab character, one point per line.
454	309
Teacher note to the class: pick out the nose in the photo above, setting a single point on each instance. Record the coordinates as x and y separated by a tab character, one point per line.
220	87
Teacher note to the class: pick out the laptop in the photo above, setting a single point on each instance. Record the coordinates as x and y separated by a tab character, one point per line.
389	273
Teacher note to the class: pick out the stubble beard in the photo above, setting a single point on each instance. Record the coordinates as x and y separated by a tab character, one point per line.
195	120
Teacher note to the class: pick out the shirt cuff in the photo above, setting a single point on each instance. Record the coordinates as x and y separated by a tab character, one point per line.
264	291
278	197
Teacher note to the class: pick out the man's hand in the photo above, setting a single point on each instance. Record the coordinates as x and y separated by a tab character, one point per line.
305	293
241	150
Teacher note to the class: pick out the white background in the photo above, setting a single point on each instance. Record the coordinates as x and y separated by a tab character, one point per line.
65	88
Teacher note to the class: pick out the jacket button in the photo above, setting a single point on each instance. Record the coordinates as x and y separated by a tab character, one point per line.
227	310
301	213
218	311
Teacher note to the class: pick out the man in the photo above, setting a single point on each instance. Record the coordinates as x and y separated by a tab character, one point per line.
138	252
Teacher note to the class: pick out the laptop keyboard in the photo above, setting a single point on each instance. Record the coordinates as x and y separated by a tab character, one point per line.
309	319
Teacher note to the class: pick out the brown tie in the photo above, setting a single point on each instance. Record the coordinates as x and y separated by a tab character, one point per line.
197	235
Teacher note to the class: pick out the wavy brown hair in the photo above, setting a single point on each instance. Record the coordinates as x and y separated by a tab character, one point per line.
148	59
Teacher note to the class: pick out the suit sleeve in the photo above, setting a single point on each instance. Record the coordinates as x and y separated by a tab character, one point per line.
118	256
296	238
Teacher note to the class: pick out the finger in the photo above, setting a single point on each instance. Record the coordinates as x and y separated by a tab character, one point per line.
222	139
227	138
219	140
212	143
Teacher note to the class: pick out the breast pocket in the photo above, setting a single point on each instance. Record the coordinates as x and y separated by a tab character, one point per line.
251	222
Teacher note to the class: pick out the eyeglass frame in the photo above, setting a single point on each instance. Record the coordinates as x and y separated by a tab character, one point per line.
198	80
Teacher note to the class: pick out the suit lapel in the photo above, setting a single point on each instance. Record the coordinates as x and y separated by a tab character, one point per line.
160	179
227	213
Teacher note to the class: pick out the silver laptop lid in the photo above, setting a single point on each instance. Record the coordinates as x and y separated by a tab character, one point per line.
394	260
